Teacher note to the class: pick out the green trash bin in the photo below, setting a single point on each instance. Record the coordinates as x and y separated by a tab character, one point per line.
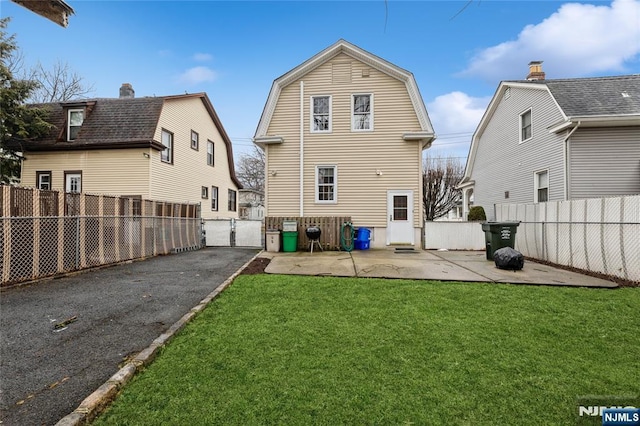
289	241
498	235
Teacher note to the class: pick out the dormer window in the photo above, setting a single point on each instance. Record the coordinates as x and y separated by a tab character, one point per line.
75	119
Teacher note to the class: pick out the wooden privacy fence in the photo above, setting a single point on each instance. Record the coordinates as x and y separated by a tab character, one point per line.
329	227
36	240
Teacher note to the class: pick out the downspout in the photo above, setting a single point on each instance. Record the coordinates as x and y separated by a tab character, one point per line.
301	148
566	161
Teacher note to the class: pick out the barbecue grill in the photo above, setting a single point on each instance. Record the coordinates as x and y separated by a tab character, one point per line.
313	233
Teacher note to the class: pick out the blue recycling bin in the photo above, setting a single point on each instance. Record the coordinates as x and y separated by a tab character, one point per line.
363	239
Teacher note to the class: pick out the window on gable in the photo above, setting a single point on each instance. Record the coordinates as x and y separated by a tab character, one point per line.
326	184
43	180
167	152
525	126
74	122
210	154
362	112
214	198
194	140
232	201
541	186
321	114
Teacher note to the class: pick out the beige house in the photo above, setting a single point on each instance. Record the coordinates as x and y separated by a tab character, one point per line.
343	135
168	148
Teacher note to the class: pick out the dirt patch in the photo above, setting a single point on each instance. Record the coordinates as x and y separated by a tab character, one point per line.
257	266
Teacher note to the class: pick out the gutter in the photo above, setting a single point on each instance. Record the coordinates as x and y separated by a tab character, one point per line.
566	160
301	148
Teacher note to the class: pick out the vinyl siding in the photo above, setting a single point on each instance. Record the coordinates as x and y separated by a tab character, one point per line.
107	171
182	181
604	162
503	164
362	194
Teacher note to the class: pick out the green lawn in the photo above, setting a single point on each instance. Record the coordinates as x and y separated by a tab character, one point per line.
293	350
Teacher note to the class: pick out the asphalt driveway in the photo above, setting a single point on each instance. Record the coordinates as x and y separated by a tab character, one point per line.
47	368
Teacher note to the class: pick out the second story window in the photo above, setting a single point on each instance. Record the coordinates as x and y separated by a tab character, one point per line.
167	141
194	140
525	126
210	157
321	114
75	119
362	112
214	198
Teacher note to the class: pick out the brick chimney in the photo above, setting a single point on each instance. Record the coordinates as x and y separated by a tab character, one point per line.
126	91
535	71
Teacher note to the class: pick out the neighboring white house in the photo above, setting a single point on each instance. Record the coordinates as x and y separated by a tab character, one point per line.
548	140
251	204
166	148
343	135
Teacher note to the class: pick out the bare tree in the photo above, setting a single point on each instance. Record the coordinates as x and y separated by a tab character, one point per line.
58	84
439	193
250	169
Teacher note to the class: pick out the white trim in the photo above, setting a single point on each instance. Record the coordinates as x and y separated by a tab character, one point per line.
371	107
69	112
312	114
521	127
342	46
335	183
301	180
268	140
536	186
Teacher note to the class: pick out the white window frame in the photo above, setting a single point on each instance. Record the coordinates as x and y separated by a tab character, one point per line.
335	184
211	159
214	199
71	112
353	114
536	184
40	184
521	126
204	192
166	156
195	140
313	114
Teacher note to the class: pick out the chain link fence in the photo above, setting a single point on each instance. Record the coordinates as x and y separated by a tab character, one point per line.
601	236
36	241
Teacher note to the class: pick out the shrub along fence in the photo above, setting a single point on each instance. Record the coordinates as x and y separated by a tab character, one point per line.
600	235
329	228
45	233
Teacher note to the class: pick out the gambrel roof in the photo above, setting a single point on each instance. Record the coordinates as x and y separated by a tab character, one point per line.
344	47
585	102
115	123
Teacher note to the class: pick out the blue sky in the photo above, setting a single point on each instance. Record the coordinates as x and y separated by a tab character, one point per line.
458	51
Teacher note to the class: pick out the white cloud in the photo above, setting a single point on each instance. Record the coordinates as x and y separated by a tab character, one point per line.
455	117
202	57
197	75
577	40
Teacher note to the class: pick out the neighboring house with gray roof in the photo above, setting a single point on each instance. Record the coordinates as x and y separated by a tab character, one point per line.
548	140
167	148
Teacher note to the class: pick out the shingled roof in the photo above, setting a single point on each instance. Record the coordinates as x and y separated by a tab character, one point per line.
112	123
598	96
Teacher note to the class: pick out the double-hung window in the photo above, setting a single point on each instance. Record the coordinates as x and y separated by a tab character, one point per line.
214	198
232	201
74	120
362	112
43	180
326	184
195	140
321	114
167	141
525	126
210	156
541	186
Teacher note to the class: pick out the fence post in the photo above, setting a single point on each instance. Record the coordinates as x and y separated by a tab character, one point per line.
77	264
544	241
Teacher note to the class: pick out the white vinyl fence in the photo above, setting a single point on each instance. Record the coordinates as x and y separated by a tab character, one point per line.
233	233
601	235
453	236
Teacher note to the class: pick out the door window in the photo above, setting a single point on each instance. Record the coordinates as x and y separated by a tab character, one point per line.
400	207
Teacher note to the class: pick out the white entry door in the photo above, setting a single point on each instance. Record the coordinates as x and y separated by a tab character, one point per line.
400	217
